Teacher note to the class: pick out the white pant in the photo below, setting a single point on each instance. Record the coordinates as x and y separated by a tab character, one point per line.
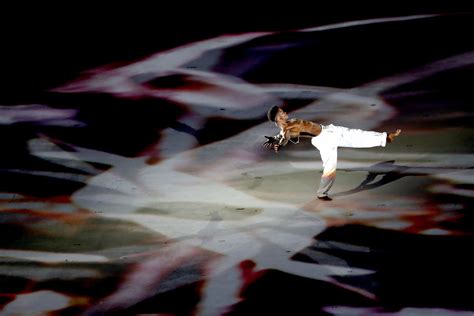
331	138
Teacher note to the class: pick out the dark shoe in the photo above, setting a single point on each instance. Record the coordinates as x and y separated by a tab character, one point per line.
324	198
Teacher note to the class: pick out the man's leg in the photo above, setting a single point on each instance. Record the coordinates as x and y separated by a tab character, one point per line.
357	138
329	158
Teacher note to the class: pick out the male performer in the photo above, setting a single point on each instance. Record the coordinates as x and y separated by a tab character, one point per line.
326	138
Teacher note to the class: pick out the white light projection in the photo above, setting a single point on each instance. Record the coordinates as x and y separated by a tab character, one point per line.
186	196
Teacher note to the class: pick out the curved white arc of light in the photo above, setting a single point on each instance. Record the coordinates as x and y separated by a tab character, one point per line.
51	257
367	22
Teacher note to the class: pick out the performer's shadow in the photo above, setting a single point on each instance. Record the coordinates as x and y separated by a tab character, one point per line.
391	172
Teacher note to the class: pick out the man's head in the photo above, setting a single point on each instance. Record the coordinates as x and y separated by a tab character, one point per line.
271	114
276	114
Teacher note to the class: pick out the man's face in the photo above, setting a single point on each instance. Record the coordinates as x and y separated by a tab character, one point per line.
281	116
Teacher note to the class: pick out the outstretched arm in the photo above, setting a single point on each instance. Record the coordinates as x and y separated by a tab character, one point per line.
277	141
280	140
295	130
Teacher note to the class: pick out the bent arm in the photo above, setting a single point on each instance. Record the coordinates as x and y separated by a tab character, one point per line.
276	141
283	138
296	129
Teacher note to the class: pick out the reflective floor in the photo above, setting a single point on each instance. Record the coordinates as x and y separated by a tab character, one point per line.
142	187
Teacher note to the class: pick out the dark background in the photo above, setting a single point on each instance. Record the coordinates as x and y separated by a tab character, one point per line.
46	46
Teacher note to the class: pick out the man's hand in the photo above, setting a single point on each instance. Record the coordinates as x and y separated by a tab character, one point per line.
272	143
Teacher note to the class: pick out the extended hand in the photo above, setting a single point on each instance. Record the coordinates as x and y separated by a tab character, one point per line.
270	143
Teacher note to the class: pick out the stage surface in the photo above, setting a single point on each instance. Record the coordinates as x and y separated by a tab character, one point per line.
134	181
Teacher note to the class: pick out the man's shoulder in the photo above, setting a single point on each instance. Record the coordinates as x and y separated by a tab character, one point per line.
295	121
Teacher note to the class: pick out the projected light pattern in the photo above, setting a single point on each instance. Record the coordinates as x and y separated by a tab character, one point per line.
144	188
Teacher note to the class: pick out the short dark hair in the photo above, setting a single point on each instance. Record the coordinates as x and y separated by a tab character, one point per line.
271	114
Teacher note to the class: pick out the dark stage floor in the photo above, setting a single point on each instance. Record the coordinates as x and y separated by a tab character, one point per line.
134	181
